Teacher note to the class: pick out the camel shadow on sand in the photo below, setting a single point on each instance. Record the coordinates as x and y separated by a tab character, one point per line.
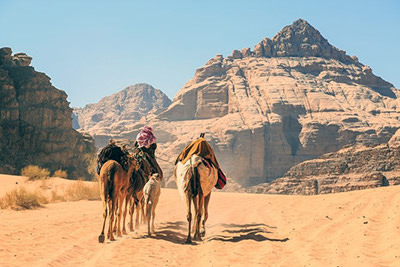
175	232
241	232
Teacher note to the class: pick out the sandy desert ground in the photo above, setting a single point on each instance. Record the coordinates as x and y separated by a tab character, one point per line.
359	228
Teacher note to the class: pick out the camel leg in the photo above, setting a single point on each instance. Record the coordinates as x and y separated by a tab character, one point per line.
198	209
116	216
101	236
137	208
131	211
125	211
109	215
203	224
149	208
141	207
121	197
189	215
153	215
142	210
195	203
111	205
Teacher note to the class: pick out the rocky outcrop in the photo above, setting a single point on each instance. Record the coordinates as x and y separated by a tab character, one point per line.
300	40
348	169
35	121
113	115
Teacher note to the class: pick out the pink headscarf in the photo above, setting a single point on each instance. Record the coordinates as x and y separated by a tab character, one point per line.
146	137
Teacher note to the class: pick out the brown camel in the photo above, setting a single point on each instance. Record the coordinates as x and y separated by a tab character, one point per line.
114	181
191	177
134	196
133	200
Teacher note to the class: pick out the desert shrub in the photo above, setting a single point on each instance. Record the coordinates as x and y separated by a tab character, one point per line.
60	173
20	199
80	190
34	172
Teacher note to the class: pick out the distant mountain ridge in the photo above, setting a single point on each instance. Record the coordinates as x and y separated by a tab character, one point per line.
113	114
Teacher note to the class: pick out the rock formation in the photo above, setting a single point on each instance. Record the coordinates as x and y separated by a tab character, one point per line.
113	115
348	169
35	121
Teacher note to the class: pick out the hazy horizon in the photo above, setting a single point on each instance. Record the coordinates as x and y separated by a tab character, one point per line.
92	49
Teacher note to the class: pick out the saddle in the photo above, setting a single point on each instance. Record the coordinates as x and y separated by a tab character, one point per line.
201	148
112	152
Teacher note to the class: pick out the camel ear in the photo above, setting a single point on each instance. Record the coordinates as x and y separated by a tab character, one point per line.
202	135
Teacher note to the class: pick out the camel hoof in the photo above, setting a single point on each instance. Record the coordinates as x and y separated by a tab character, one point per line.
112	239
101	238
197	237
124	232
203	232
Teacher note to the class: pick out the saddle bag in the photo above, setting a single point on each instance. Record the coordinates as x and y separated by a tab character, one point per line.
221	182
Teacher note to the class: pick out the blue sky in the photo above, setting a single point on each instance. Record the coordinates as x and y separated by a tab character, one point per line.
92	49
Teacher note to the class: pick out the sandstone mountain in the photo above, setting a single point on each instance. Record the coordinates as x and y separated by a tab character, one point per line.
35	121
113	115
293	98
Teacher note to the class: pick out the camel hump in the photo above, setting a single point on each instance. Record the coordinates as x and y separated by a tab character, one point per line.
112	164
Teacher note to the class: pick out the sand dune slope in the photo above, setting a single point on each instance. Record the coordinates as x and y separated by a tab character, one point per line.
359	228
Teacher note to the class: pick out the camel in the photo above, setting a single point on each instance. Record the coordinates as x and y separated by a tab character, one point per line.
134	196
190	177
114	181
152	191
134	199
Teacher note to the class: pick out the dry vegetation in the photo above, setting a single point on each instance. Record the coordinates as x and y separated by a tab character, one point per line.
79	191
34	172
60	173
21	198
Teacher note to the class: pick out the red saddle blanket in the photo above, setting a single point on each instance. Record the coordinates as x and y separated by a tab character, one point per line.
221	182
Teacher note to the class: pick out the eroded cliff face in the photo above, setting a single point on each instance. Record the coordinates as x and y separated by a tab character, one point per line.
35	121
351	168
294	98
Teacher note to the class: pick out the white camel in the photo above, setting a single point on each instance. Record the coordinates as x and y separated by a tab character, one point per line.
185	178
151	192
